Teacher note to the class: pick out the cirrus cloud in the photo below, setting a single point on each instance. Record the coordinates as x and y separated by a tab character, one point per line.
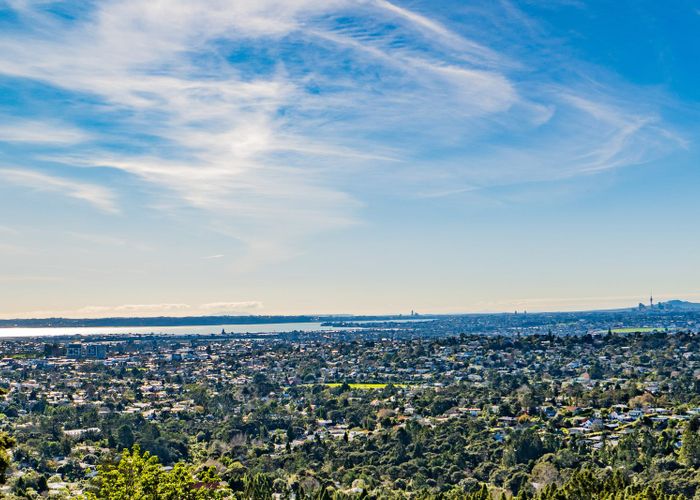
276	120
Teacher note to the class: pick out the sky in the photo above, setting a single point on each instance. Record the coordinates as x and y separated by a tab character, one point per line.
172	157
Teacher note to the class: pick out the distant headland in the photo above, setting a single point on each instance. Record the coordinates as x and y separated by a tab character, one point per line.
670	306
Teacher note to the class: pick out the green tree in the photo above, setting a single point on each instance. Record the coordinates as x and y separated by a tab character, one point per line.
140	477
125	436
690	443
135	476
257	486
6	442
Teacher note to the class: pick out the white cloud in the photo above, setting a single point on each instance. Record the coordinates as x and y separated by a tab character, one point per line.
232	306
470	49
268	159
96	195
240	161
134	309
40	132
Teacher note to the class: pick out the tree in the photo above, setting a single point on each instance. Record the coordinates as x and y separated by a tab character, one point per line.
690	443
181	484
544	473
522	447
6	442
140	477
257	486
125	437
135	476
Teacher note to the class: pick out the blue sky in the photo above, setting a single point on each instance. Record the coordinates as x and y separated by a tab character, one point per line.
300	156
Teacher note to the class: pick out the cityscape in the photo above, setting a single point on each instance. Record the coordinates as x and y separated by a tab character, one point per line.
556	405
349	250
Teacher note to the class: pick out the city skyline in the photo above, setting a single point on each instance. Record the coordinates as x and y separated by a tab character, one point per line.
304	157
534	306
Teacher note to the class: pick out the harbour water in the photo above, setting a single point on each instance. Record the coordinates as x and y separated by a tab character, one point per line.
163	330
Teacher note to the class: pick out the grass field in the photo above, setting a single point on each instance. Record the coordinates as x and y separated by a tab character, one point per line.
366	386
640	329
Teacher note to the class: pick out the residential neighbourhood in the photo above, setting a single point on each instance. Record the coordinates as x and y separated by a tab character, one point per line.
260	403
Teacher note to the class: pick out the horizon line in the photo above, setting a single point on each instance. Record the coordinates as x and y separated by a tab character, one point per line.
324	315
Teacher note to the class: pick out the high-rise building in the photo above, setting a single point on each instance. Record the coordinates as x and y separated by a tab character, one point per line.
96	351
74	350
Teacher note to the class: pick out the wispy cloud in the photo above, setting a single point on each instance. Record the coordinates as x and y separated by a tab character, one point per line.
275	119
24	131
470	49
132	310
98	196
232	306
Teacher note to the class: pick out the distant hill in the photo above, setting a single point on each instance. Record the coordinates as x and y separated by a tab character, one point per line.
670	307
678	305
187	321
154	321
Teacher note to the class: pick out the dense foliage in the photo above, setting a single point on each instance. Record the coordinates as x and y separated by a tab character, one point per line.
604	417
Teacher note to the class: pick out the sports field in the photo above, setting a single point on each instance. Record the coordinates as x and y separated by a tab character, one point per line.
366	386
640	329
